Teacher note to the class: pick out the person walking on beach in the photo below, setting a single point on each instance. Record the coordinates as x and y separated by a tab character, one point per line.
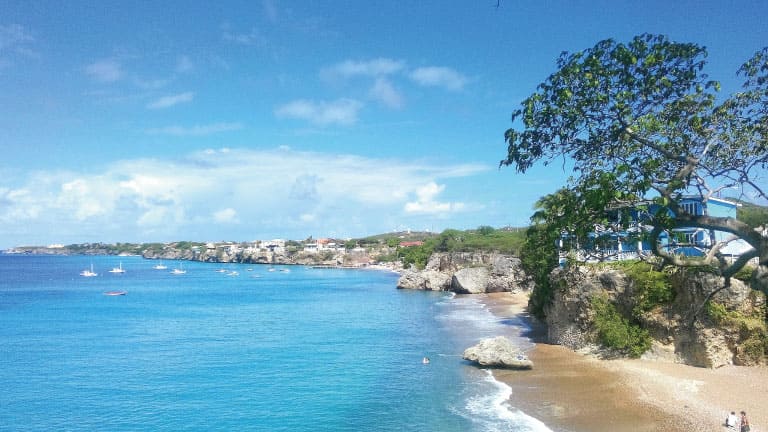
744	422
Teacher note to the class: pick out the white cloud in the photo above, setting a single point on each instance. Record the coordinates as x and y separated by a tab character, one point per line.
340	111
304	187
106	70
169	101
282	191
425	201
87	198
197	130
384	92
227	216
371	68
439	77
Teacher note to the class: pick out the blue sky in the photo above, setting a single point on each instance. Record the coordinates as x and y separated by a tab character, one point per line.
160	121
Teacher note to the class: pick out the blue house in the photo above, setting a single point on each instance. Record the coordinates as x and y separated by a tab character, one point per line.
695	241
608	244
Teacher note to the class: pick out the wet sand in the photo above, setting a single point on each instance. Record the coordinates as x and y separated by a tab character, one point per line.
572	392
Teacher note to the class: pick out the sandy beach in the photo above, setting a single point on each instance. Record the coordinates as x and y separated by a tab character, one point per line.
572	392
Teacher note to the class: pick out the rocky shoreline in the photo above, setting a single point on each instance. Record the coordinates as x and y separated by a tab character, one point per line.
468	273
337	257
682	330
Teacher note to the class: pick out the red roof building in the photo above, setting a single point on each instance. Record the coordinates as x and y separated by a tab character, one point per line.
411	243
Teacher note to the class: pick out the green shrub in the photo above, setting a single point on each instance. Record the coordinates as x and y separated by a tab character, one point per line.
752	329
755	347
717	312
754	337
653	287
390	257
616	332
416	255
745	273
538	258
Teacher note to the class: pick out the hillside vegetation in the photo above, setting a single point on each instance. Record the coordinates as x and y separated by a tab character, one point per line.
752	214
484	238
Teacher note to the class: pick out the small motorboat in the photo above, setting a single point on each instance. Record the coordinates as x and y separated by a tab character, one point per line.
116	293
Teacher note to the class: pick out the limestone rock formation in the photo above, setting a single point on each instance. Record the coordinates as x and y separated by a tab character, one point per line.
472	280
682	330
498	352
429	280
468	272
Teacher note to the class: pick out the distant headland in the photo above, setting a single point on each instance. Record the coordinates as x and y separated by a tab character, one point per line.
360	252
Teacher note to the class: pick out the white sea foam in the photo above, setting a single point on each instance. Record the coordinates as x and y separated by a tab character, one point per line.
491	411
469	320
486	402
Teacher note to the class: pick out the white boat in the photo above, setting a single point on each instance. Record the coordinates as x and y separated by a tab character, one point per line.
160	266
88	273
178	271
118	269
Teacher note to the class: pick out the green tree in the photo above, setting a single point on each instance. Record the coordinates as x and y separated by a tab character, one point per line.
642	119
538	259
753	215
485	230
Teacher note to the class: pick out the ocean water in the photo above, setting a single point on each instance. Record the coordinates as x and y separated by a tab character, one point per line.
293	349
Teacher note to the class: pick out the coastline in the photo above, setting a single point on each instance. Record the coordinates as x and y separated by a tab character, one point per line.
569	391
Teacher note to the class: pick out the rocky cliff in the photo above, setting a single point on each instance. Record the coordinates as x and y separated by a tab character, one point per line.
468	273
728	330
223	255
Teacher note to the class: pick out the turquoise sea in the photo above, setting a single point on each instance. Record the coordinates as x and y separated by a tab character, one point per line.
248	349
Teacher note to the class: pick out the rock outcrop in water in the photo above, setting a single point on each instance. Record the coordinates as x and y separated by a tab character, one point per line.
497	352
468	273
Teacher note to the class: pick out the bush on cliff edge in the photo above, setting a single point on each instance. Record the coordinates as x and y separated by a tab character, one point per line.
752	329
616	332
